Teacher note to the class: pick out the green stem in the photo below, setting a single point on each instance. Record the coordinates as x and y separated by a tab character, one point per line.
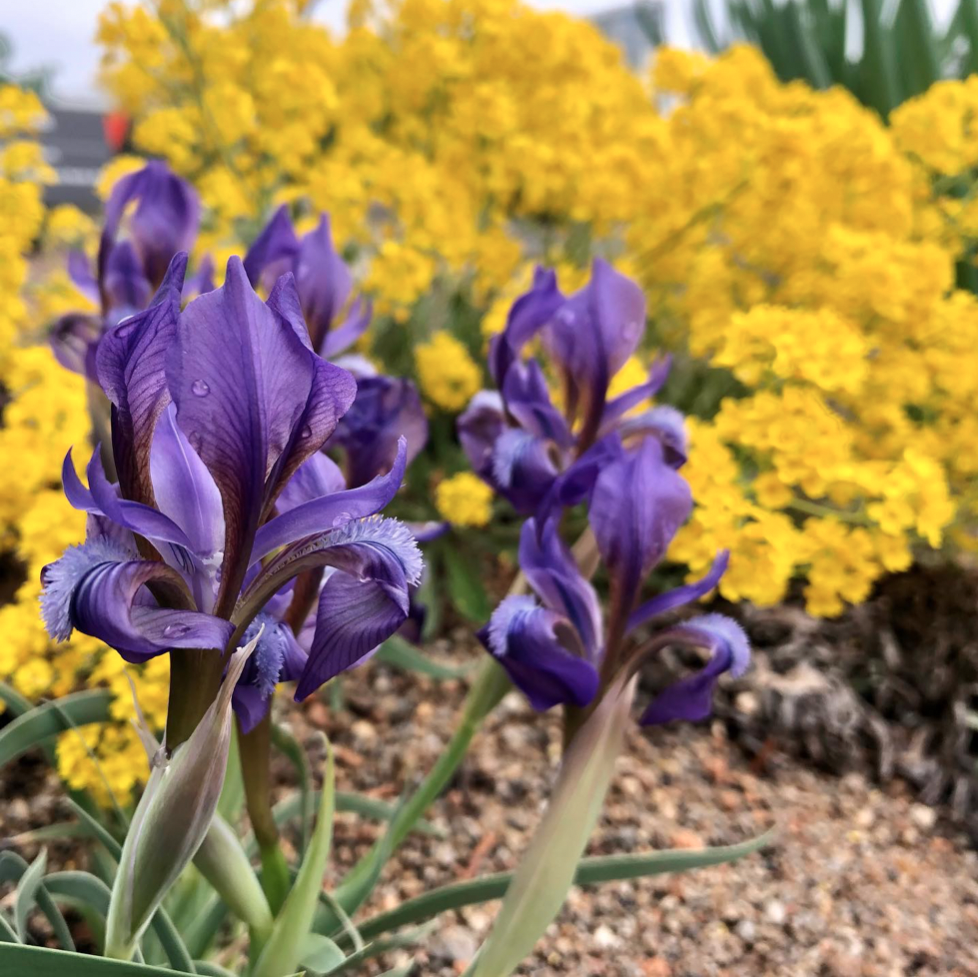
195	677
487	691
823	511
256	752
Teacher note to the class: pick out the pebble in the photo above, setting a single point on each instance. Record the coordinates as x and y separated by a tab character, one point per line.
923	816
775	912
746	930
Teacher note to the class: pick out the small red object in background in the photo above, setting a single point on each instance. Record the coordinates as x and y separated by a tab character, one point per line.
115	126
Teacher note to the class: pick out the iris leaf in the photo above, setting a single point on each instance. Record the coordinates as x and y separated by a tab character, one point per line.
590	871
31	890
43	962
282	952
403	655
38	725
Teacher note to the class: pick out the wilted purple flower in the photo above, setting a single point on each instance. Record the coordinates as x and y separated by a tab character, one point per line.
150	216
322	279
517	439
219	414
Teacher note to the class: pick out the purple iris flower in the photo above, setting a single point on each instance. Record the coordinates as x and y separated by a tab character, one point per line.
624	468
516	438
564	649
219	415
385	410
150	216
322	279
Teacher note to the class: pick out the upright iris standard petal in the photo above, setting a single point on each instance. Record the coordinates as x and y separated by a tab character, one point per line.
163	222
186	493
131	370
323	281
74	341
529	314
480	426
94	589
553	574
527	398
80	273
679	596
529	642
125	287
332	392
385	409
637	506
245	386
592	335
692	698
331	511
273	251
340	338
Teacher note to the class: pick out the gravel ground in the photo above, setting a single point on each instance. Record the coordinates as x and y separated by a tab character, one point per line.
860	882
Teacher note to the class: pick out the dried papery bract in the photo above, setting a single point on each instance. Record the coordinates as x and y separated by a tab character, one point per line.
172	818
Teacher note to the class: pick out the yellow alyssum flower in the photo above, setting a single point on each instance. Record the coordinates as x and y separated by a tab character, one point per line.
464	500
448	375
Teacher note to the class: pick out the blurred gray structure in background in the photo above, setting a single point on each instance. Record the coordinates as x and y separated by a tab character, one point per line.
636	28
75	145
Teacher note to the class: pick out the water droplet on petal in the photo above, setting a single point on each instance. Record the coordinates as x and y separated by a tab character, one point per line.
200	388
121	331
306	432
175	630
342	519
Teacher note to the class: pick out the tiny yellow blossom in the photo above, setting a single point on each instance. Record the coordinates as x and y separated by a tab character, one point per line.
464	499
449	377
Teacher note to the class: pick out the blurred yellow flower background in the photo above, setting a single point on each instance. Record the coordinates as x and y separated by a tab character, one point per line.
800	259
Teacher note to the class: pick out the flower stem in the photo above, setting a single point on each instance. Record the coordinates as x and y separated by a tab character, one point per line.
487	691
195	677
256	752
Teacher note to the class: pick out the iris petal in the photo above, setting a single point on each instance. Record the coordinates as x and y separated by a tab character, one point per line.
679	596
553	573
637	506
323	514
106	599
131	370
692	698
523	638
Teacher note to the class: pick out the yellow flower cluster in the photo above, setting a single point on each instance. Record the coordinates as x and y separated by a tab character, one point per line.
45	412
785	235
790	238
464	500
448	376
